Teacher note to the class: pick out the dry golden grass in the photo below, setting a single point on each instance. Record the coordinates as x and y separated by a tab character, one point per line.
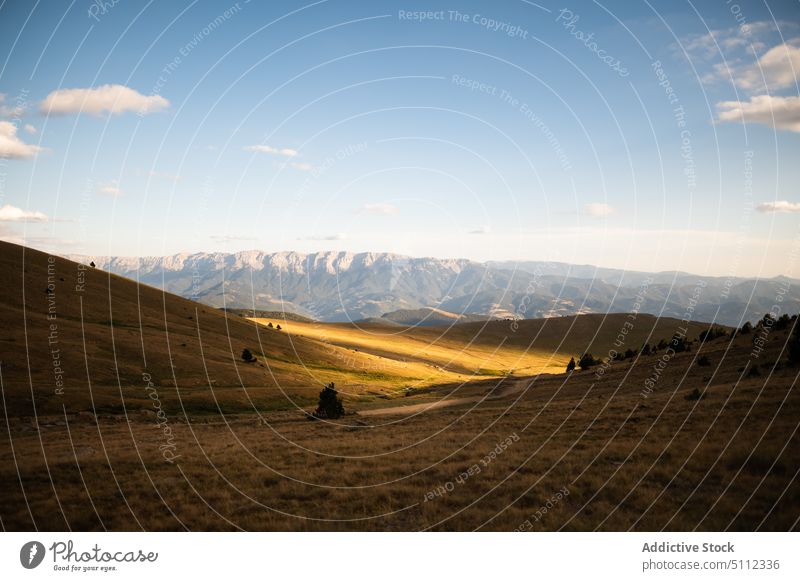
244	457
627	462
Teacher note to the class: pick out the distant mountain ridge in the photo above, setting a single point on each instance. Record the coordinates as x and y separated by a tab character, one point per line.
345	286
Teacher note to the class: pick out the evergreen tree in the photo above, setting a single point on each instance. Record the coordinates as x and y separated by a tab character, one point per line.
794	345
330	406
571	364
587	361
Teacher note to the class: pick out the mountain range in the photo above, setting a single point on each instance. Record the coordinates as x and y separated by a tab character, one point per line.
343	286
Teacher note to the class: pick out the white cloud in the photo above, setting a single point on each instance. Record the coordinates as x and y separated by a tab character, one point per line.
778	68
481	230
284	151
114	99
30	129
379	209
109	189
301	166
13	147
598	210
777	112
9	213
779	206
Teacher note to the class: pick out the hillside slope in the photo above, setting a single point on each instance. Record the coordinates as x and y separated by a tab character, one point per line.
76	336
497	348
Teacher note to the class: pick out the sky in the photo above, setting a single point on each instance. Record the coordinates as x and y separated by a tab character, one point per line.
641	135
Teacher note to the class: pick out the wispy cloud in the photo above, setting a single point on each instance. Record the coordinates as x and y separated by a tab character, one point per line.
11	146
598	210
9	213
481	230
6	111
113	99
109	189
301	166
781	206
30	129
282	151
164	176
379	209
777	112
742	55
726	42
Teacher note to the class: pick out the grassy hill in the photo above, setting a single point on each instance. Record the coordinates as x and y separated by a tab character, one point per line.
75	337
134	437
495	348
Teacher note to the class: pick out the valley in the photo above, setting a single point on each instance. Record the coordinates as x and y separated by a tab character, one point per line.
139	412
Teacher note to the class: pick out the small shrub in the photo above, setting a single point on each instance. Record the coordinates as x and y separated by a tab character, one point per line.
247	356
703	361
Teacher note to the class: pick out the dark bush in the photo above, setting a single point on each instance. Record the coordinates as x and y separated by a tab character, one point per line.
711	334
330	406
587	361
571	364
783	322
794	345
694	395
703	361
247	356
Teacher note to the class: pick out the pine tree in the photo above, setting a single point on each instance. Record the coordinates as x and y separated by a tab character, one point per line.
571	364
330	406
586	361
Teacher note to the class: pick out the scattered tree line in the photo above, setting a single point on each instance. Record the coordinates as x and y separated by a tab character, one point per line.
681	344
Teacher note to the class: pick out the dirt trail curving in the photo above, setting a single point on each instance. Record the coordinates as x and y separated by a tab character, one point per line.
504	391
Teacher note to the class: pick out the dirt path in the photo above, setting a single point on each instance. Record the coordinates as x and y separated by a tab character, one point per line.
407	410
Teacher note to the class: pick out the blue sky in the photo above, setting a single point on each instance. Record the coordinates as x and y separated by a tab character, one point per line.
608	134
